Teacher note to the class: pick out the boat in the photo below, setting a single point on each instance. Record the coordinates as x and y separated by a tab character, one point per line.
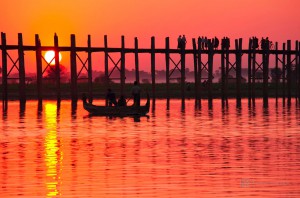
120	111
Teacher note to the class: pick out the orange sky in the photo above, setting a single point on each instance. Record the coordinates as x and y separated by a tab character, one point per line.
278	19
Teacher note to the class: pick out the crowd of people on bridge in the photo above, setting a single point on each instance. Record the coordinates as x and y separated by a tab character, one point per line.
181	42
265	43
204	43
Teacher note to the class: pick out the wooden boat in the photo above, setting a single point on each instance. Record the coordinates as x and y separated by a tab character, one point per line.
116	110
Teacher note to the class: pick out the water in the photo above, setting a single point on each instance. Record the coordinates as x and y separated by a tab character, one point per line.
247	152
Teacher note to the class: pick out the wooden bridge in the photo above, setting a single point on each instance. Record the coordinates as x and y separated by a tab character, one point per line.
285	59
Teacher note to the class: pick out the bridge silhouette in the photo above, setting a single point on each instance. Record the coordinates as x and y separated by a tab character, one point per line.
258	60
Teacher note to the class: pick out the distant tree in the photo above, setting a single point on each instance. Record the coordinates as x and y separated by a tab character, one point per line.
217	73
189	74
144	74
145	81
160	74
102	79
276	73
51	74
130	74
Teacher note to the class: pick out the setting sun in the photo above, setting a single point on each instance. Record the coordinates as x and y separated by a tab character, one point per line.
49	57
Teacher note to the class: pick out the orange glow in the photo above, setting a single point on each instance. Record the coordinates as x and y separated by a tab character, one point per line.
50	57
277	19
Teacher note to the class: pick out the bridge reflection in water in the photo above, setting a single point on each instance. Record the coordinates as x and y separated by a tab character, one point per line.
190	152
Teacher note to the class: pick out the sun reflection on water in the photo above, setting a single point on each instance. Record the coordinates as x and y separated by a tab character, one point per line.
53	154
217	152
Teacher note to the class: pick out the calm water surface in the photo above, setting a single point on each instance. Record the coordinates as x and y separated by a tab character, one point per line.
57	152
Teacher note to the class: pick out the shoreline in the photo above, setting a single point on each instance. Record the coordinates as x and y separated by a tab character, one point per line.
99	91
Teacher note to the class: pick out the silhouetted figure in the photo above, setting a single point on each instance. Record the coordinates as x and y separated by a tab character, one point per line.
225	43
216	42
122	101
205	43
183	42
255	42
267	43
202	42
271	45
263	43
199	42
136	92
179	42
111	97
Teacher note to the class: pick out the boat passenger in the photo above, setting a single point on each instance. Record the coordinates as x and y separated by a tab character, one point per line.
111	97
136	91
122	101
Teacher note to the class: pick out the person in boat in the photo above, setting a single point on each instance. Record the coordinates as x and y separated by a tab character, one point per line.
111	98
122	101
136	93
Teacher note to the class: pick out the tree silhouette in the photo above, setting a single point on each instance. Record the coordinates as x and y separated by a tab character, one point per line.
50	72
276	74
102	79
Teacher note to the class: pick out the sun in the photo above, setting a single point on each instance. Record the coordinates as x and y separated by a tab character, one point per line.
49	57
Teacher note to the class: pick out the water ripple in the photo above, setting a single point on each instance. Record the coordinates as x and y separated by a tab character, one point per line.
53	151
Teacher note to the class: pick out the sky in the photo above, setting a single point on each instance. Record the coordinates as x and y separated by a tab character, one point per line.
277	19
